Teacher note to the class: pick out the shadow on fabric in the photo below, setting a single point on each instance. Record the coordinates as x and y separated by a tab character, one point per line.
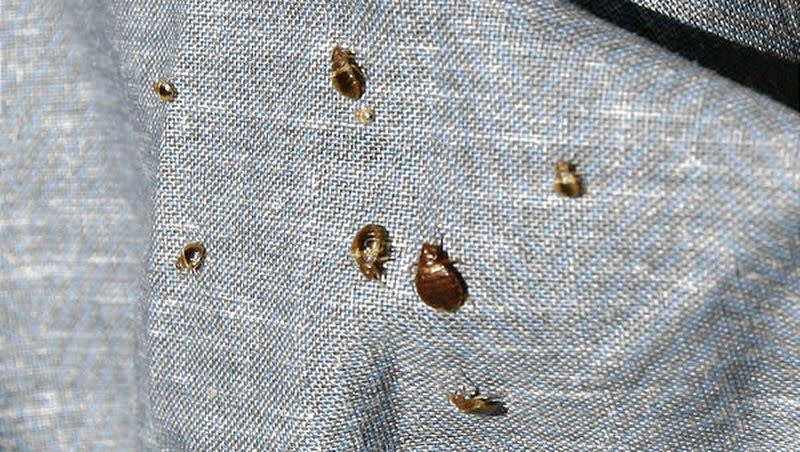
769	74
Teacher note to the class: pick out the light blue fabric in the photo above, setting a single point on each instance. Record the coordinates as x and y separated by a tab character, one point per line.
74	228
656	312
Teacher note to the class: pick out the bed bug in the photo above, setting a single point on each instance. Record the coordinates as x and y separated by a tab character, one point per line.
476	404
568	182
371	249
191	257
438	282
365	115
165	89
346	76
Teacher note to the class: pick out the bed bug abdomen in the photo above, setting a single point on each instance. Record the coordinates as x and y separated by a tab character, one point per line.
191	256
346	76
438	282
568	182
370	249
165	90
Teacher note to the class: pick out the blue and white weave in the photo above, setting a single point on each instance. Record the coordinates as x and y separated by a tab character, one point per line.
658	312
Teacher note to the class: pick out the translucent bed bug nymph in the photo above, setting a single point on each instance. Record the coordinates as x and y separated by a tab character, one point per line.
438	282
165	89
568	182
476	404
370	249
191	257
365	115
346	76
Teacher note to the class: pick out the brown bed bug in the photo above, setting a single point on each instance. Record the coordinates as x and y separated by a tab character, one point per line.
191	257
346	76
568	182
476	404
165	89
438	282
371	249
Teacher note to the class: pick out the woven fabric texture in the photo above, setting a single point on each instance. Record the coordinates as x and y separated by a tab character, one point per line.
74	227
656	312
772	25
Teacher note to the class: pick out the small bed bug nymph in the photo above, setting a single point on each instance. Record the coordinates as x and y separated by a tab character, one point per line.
438	282
370	249
475	404
165	89
568	182
191	257
365	115
346	76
